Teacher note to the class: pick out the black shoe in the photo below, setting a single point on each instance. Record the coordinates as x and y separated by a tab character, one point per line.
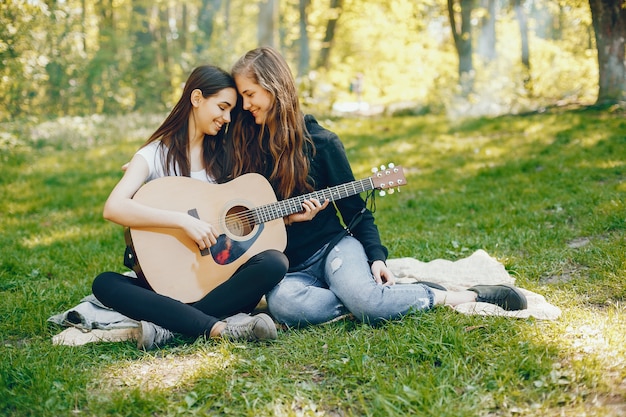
432	285
506	296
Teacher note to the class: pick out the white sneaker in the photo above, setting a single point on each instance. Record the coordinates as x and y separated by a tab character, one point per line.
242	326
151	336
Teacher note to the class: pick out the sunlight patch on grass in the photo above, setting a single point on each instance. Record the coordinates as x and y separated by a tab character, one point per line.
161	373
11	208
606	164
588	335
299	406
404	146
52	237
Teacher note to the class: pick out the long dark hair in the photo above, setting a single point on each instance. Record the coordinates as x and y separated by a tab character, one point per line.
174	131
283	137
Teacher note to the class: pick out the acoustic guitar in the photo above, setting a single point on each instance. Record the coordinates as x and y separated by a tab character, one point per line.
247	215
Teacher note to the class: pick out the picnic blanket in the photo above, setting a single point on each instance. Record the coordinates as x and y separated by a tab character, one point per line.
478	268
90	321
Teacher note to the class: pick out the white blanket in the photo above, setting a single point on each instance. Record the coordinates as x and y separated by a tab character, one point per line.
479	268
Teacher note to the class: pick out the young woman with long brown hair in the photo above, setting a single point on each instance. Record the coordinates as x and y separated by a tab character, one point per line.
190	142
331	273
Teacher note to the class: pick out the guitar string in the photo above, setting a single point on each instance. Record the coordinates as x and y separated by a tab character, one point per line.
276	210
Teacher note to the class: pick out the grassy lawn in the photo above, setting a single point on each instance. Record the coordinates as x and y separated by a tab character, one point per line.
545	194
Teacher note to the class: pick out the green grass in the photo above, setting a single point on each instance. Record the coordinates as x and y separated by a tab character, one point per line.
545	194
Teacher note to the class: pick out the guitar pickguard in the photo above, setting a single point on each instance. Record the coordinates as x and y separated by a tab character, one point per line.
227	250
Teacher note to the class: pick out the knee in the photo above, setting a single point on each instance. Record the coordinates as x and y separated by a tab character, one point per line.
104	286
98	285
283	296
272	269
278	263
287	303
272	262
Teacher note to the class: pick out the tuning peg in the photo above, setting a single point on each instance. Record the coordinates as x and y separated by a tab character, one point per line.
382	167
382	193
391	165
391	191
374	170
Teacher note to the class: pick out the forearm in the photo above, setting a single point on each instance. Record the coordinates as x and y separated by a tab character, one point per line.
133	214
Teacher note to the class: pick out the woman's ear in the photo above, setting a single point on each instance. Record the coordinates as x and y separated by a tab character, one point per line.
196	96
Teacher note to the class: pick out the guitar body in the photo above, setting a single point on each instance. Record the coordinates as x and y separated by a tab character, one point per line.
172	264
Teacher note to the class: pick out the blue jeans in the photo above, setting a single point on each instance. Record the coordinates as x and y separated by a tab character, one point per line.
341	283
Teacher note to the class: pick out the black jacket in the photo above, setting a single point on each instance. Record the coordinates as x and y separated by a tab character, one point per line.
330	167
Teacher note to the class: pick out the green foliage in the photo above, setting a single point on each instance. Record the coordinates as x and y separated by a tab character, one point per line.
543	193
83	57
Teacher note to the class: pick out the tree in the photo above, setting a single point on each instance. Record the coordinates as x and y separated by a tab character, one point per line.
523	28
99	76
78	57
305	54
324	56
609	24
206	19
143	72
462	35
487	36
268	18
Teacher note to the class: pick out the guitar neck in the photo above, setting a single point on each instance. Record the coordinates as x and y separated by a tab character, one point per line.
293	205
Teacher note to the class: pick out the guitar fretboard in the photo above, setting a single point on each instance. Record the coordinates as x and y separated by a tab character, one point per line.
293	205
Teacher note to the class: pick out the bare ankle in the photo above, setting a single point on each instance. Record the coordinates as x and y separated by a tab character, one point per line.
217	329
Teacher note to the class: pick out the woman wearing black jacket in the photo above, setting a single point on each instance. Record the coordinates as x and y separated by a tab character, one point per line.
327	277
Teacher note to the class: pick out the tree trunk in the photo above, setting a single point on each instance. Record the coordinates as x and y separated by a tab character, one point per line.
487	37
268	17
183	33
523	29
324	57
163	33
462	36
227	18
54	69
206	17
609	24
98	72
143	70
305	53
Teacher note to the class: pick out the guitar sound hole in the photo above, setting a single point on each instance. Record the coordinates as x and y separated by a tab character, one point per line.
239	221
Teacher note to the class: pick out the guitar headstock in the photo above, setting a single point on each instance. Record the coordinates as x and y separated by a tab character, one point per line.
388	177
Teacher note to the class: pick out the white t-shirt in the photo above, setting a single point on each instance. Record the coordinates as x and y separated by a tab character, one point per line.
154	154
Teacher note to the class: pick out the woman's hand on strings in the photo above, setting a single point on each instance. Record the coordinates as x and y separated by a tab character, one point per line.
310	208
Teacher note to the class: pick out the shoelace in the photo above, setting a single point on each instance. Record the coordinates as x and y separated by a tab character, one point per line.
162	335
501	301
493	298
240	331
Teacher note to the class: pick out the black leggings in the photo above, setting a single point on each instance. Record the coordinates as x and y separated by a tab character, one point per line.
241	293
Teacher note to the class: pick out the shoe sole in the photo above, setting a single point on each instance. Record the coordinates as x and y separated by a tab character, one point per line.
142	331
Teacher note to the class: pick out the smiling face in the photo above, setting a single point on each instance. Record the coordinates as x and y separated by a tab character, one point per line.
256	99
210	113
